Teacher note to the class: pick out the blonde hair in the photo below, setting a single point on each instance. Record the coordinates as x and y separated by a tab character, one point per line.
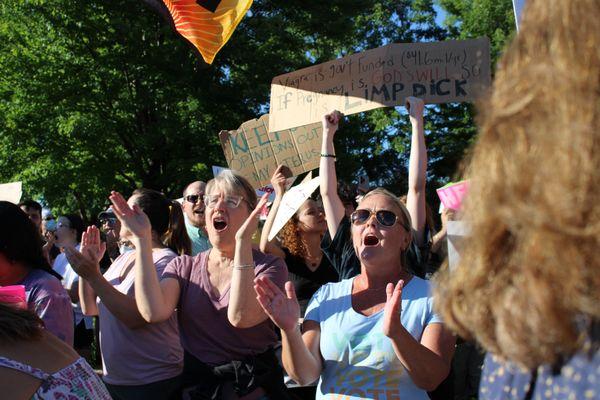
529	274
397	200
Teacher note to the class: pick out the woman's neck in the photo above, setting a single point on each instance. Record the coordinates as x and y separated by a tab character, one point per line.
374	279
312	244
221	256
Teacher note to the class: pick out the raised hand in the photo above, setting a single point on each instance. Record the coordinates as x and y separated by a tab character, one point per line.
278	180
134	219
331	122
87	262
249	227
91	245
415	107
283	309
393	309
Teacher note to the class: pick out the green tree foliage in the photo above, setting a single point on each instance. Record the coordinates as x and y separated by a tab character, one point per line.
100	95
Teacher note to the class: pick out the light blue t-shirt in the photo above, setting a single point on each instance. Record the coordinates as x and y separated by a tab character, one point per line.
199	241
359	360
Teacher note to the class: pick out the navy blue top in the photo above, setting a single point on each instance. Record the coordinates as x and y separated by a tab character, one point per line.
578	378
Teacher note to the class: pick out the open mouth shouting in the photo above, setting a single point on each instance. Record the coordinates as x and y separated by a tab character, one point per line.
219	223
370	240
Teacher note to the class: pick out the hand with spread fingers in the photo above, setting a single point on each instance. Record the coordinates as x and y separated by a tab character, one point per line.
283	309
393	309
86	262
132	218
251	224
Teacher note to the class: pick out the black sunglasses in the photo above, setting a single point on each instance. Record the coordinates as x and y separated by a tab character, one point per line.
384	217
193	198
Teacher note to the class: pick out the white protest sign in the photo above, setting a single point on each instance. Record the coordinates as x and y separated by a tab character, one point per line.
457	234
291	202
11	192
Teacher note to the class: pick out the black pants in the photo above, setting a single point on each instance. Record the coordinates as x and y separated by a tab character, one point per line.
169	389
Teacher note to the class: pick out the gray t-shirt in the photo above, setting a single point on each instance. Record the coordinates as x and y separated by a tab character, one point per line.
203	325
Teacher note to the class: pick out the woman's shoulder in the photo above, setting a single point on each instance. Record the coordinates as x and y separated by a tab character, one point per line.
265	259
40	279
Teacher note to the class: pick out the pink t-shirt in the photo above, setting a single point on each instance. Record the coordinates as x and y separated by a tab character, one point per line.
205	330
144	355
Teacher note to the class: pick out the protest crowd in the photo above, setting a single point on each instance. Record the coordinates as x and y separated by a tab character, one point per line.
349	297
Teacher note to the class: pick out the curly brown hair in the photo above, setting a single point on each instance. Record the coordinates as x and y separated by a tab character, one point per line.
528	275
290	238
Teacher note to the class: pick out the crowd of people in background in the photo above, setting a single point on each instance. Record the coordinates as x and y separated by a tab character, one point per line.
184	299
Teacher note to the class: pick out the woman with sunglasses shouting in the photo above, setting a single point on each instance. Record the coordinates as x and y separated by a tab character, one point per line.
371	336
226	336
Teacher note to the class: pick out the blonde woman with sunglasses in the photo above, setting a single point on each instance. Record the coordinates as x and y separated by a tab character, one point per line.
372	336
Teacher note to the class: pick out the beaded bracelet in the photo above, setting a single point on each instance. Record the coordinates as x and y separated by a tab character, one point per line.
328	155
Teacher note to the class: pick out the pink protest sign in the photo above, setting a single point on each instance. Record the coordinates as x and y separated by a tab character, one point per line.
452	194
13	295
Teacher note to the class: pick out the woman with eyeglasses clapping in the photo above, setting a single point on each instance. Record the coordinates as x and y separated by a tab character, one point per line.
226	336
372	336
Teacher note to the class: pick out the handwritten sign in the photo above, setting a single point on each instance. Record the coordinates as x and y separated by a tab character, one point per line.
255	153
291	202
437	72
11	192
453	194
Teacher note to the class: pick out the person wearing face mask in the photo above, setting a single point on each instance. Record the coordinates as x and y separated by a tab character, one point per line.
140	360
68	233
226	336
300	243
193	210
371	336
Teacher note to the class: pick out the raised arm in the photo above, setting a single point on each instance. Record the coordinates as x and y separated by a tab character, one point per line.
93	284
155	300
332	204
300	353
278	181
243	310
417	170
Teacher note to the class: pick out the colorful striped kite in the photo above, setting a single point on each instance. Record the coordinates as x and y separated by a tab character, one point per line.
207	24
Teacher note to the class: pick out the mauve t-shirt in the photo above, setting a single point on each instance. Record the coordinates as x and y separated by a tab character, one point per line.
144	355
50	301
203	325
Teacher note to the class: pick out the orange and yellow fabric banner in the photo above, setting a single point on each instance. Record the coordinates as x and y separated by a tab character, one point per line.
207	24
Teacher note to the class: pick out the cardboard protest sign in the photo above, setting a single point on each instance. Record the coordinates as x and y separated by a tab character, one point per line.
453	194
437	72
291	202
255	153
11	192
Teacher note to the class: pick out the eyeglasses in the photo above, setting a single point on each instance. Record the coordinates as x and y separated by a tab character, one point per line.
193	198
384	217
211	200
